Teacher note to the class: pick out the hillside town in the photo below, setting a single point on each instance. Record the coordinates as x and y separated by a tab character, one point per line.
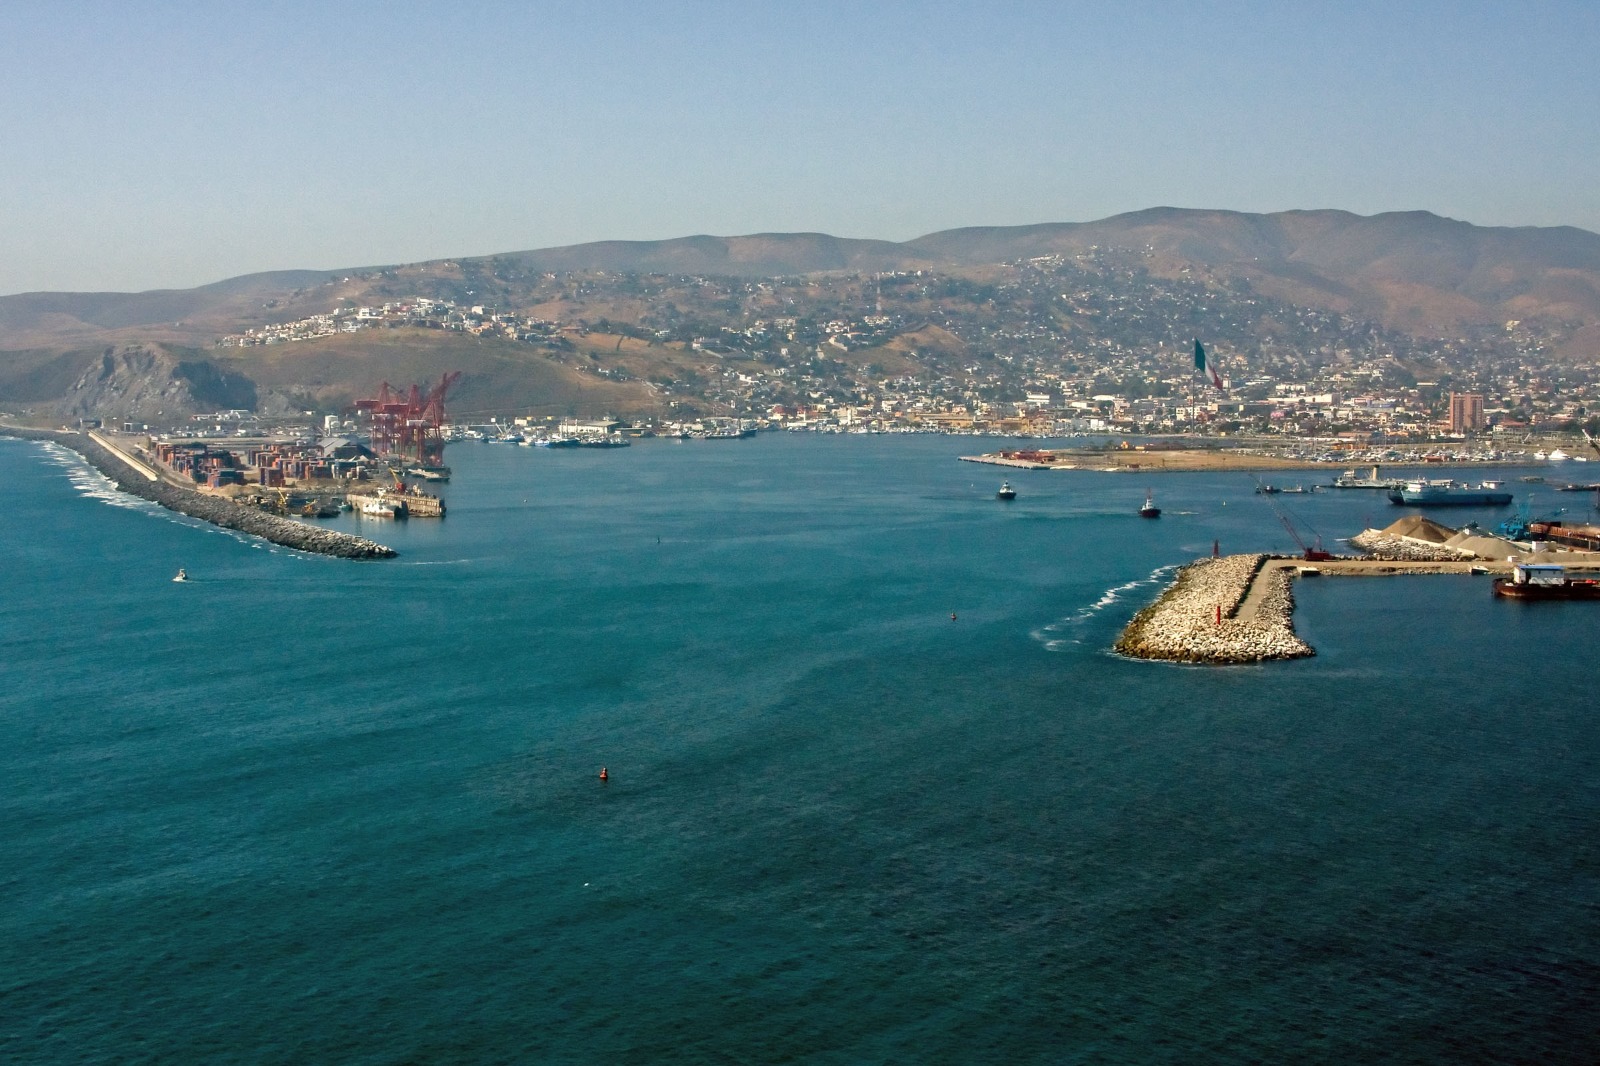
1096	343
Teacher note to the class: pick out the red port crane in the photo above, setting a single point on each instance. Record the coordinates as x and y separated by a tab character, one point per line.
410	425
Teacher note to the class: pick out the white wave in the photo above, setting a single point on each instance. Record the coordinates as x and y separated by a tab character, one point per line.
90	482
1073	623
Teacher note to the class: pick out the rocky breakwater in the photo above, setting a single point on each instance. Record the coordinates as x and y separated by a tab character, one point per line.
1183	625
213	509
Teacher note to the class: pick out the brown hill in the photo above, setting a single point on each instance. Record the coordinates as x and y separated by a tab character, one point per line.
1413	271
756	255
164	383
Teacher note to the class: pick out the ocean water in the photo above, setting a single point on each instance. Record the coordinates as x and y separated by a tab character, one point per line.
305	810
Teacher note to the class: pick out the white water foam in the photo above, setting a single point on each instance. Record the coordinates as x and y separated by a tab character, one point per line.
92	483
1072	626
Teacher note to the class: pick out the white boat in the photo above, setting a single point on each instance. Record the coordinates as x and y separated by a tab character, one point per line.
182	576
1558	455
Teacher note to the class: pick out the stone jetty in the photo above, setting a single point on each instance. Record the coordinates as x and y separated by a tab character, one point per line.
207	508
1255	605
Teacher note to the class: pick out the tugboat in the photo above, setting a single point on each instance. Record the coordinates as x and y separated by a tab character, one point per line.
1149	510
1006	491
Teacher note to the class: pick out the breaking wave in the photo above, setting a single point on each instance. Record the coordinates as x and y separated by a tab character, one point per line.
90	482
1069	630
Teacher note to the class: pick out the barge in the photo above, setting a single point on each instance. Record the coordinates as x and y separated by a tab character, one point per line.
1545	581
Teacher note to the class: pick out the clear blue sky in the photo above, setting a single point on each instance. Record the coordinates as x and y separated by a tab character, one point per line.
148	145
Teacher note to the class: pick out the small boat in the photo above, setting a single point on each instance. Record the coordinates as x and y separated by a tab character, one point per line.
1267	490
182	576
1149	510
1006	491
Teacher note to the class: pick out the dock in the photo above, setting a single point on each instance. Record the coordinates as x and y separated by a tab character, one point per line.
1021	460
1239	609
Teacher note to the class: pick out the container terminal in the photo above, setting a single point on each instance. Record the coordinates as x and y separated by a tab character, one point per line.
319	478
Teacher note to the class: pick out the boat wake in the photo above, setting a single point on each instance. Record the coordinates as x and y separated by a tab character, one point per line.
1069	630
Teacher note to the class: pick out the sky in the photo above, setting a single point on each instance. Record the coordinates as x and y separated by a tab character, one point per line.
154	145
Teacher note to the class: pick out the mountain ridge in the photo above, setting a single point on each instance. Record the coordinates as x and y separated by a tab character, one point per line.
1424	275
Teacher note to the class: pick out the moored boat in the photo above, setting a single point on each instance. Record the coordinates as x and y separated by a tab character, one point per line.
1350	479
1450	494
1545	581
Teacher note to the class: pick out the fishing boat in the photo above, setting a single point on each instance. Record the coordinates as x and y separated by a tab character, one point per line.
1006	491
1149	510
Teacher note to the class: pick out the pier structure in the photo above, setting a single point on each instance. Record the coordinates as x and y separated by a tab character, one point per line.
136	478
1023	460
1219	611
1239	608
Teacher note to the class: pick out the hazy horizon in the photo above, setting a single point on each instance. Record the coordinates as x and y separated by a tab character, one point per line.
179	144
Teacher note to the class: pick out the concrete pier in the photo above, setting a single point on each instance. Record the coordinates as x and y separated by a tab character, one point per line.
134	478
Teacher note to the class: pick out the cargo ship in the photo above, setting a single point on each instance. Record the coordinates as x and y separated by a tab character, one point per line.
1450	494
1545	581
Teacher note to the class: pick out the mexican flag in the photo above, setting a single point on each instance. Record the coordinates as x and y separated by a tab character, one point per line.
1204	365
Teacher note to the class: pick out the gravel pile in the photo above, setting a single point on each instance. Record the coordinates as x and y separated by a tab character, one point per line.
213	509
1380	544
1182	626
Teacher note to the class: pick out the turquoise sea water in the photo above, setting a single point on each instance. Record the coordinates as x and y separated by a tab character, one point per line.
304	810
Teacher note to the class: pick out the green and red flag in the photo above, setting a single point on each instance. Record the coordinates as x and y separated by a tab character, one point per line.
1205	365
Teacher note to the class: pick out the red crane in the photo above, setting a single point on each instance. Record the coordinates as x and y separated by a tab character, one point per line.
410	425
1312	554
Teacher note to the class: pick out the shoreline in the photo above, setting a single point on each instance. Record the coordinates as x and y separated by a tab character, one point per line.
130	477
